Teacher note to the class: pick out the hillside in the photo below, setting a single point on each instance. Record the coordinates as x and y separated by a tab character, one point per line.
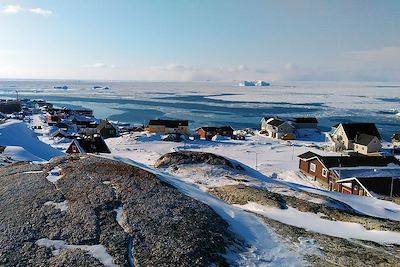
90	211
325	228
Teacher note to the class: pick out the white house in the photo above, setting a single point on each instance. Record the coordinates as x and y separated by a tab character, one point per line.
277	128
345	134
366	144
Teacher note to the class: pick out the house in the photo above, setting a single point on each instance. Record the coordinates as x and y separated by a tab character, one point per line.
367	144
62	125
83	122
60	134
10	106
321	168
3	116
208	133
305	123
88	144
345	134
42	105
106	129
172	137
52	119
277	128
396	140
368	181
168	126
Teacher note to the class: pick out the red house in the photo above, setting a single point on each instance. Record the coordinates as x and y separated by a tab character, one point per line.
324	168
209	132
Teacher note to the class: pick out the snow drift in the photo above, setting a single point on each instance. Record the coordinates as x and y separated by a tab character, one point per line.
23	143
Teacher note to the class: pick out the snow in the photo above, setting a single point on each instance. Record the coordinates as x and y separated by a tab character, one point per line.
276	168
23	143
365	205
97	251
265	249
314	222
63	206
54	175
18	153
121	219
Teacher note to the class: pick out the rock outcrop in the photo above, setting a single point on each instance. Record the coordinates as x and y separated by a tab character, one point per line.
97	204
193	157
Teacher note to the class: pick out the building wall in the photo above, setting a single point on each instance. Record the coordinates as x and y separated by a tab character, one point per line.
372	147
156	129
108	131
206	135
341	137
73	148
305	166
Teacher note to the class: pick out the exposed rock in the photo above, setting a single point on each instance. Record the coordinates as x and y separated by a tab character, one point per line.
325	250
332	209
163	227
193	157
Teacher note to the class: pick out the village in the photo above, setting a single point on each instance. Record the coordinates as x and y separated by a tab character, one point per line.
349	159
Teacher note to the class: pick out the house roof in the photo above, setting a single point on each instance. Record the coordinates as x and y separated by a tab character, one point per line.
305	120
104	123
169	123
364	139
92	144
216	129
353	161
367	172
354	129
274	122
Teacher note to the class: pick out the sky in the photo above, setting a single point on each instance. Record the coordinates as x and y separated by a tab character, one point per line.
197	40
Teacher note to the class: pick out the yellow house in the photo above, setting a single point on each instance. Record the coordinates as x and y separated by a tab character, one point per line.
168	126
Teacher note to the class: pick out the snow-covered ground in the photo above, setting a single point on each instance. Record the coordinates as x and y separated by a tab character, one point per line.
274	158
22	143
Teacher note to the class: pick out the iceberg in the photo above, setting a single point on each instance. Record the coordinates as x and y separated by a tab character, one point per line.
262	83
254	83
247	83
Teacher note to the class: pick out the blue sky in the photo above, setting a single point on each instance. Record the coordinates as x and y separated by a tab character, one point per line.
200	40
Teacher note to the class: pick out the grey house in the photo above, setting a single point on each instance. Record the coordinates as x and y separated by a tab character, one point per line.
277	128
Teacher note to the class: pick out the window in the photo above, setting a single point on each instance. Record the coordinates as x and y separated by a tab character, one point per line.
324	172
313	167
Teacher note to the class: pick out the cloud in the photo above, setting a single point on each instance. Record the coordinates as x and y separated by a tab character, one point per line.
101	66
12	9
41	11
15	9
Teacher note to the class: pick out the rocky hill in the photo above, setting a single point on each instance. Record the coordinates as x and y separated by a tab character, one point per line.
90	211
193	157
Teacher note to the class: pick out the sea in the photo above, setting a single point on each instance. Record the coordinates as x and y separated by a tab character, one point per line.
211	103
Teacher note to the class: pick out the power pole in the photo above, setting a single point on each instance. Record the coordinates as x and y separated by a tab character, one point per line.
292	151
256	162
16	91
391	188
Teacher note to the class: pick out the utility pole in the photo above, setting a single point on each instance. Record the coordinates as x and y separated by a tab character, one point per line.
292	151
256	162
16	91
391	188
